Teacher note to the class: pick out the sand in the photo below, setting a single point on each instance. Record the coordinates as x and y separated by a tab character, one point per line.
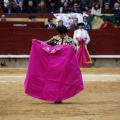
100	100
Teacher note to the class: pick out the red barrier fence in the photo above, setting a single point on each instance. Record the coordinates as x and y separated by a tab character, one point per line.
17	41
20	24
27	15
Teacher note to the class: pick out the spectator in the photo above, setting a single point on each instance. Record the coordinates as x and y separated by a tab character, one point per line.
13	3
72	2
30	8
50	24
117	1
106	9
1	8
25	3
60	23
107	25
41	7
86	24
8	8
96	9
116	6
1	3
60	3
3	18
48	2
65	8
52	7
20	8
32	18
87	5
110	2
116	12
74	25
76	8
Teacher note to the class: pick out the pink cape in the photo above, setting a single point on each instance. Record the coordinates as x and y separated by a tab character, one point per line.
53	72
82	54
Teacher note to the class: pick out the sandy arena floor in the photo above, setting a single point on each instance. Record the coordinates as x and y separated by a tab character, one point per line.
100	100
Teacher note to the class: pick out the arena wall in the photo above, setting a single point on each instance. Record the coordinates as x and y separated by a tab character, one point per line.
15	44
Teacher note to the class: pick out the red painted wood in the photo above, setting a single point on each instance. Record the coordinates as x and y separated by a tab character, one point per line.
20	24
18	41
27	15
104	42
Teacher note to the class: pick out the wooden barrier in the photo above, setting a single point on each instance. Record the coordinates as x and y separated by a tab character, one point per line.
21	24
27	15
17	41
24	17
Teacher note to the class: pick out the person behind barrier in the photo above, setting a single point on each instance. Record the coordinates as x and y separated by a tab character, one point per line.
3	18
20	8
107	25
74	24
32	18
41	7
86	24
52	8
60	23
30	7
8	8
50	24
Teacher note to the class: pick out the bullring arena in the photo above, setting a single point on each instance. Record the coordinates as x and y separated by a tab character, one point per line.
100	100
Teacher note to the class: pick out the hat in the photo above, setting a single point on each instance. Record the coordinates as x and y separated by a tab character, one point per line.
80	24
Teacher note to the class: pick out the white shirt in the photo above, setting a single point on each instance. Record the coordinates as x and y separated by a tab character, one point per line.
94	12
81	33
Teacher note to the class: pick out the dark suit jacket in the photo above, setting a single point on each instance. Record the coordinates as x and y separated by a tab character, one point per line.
31	9
51	9
73	26
52	26
87	26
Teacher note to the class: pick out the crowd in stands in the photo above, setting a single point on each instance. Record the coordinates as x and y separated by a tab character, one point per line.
62	6
75	25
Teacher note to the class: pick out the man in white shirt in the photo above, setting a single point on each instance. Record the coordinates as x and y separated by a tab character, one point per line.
81	33
81	38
